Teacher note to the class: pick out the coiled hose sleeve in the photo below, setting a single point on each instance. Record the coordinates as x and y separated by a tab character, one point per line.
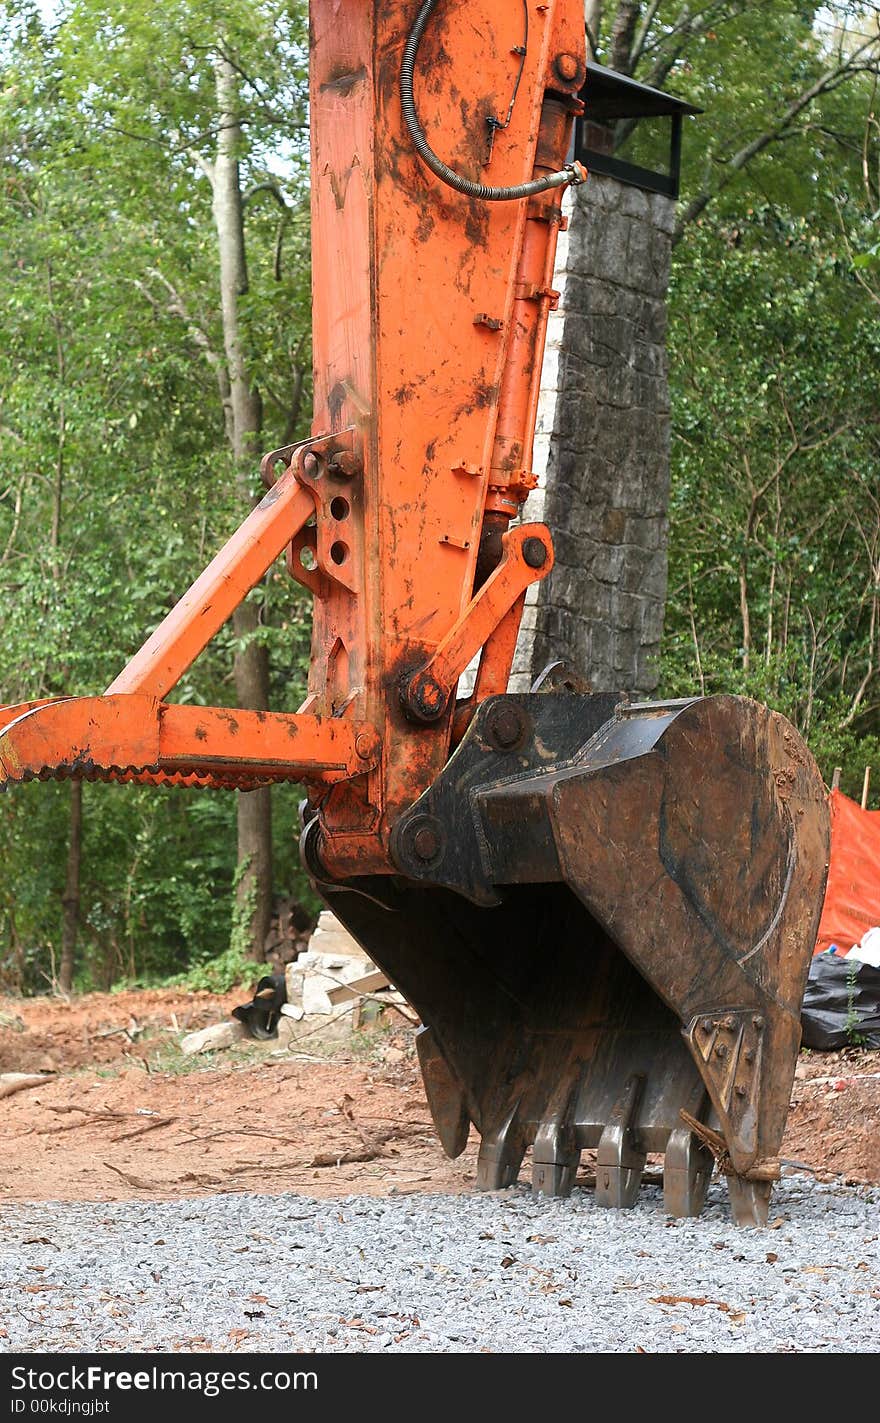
572	173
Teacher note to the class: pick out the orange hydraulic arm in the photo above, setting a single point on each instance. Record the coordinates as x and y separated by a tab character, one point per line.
440	136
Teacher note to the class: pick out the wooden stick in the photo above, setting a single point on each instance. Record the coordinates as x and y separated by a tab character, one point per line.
835	779
866	785
20	1081
150	1126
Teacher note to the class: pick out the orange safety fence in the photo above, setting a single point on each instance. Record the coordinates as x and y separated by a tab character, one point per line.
852	899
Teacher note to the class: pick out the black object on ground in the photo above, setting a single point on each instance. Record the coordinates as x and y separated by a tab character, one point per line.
841	1005
260	1016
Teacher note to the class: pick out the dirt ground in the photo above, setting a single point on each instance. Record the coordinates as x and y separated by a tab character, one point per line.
126	1115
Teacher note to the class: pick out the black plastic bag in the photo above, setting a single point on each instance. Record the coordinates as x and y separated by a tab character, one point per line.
841	1006
260	1016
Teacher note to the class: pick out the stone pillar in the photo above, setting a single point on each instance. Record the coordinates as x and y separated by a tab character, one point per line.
602	445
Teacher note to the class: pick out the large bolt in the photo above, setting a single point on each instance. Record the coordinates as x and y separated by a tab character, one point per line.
567	67
535	552
426	843
346	465
505	727
424	698
311	466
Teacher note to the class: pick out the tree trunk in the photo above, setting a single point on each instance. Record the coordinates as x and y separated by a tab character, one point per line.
593	22
70	902
251	668
623	33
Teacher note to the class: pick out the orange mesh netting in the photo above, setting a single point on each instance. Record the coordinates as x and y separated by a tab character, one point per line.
852	899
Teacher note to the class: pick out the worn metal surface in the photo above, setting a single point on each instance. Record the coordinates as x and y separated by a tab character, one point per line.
430	311
614	911
604	914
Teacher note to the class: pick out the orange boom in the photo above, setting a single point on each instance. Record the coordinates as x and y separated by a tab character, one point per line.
603	912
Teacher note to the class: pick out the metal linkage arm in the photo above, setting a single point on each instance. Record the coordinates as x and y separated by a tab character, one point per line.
527	558
216	593
136	738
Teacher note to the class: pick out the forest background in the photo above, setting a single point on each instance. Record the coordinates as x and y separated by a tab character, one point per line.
154	339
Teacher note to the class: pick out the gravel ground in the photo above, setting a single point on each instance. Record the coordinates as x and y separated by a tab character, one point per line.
505	1272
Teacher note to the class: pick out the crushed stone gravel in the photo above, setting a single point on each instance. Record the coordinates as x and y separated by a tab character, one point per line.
502	1272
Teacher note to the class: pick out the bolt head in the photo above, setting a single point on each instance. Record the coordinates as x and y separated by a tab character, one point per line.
310	464
758	1022
424	698
506	727
567	67
535	552
425	843
346	465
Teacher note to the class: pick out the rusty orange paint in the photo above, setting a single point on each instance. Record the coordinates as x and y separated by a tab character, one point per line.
131	737
430	311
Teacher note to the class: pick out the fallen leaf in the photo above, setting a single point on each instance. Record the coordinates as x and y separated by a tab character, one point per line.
737	1318
508	1261
542	1239
772	1257
775	1224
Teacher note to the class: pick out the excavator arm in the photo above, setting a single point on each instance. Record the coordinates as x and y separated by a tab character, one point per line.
604	913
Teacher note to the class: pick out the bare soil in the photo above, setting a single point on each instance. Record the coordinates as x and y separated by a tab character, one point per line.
125	1115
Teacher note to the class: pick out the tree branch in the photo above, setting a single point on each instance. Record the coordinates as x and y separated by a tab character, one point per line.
824	84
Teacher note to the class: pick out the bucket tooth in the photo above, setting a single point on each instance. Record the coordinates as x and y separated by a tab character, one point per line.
501	1153
619	1158
555	1152
626	900
445	1096
554	1177
749	1200
687	1171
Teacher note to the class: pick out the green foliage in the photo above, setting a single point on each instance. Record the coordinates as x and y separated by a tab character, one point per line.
774	348
115	482
851	1025
233	967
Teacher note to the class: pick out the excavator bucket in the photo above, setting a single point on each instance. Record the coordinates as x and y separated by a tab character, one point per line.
605	918
604	913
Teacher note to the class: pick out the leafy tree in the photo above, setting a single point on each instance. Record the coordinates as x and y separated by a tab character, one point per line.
119	475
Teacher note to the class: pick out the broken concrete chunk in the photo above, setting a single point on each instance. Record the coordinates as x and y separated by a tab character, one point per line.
219	1035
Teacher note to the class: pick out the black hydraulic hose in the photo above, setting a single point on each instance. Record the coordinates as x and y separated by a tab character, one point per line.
572	173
